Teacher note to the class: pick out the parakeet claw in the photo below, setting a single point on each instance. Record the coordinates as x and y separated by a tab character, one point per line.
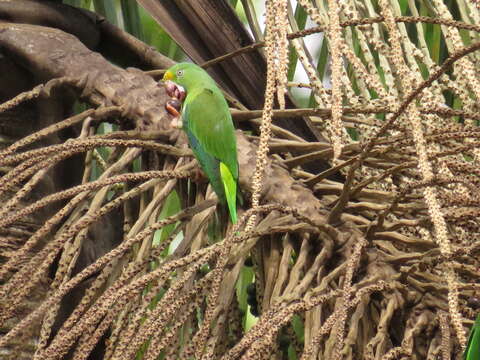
174	90
176	123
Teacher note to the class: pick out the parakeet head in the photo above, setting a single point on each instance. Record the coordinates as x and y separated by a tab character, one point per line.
187	75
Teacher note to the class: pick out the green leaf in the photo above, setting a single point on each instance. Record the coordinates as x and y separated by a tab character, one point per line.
155	36
107	9
170	207
321	66
301	19
298	327
131	18
246	278
85	4
403	6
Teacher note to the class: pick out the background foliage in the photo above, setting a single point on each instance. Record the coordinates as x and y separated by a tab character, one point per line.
359	225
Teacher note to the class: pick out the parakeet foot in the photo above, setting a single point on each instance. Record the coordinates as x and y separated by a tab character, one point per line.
173	108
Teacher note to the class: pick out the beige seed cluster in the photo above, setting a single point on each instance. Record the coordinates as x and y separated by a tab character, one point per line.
276	49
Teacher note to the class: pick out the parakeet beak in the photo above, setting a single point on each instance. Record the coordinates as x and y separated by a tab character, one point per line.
168	75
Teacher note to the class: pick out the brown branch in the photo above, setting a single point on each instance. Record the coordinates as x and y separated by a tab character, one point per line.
93	185
244	115
317	29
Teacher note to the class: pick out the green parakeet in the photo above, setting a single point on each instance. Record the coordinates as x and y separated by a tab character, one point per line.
472	351
207	121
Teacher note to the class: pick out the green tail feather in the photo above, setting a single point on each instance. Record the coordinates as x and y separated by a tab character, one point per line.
230	187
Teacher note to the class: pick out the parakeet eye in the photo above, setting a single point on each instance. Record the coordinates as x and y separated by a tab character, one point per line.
179	73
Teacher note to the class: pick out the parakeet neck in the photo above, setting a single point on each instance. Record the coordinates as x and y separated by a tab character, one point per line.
194	85
195	80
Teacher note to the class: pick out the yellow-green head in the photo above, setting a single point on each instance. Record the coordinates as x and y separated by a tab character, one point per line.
188	75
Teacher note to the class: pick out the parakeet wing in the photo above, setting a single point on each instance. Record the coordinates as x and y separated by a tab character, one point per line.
207	117
211	134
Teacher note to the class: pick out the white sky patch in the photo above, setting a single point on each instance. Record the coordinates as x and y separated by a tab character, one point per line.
312	42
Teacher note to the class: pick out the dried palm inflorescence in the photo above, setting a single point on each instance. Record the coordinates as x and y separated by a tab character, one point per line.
382	265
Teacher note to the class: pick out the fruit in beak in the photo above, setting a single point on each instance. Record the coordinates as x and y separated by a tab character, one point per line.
174	90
